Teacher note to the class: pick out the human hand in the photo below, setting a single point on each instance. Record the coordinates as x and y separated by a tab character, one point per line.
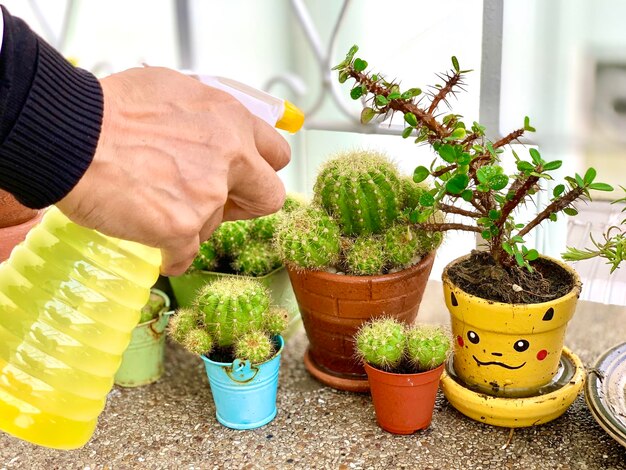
174	159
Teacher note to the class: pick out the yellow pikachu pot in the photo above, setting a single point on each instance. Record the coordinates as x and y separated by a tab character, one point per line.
508	350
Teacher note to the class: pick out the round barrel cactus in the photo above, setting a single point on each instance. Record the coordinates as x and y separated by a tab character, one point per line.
254	346
361	190
231	307
198	341
230	237
366	256
427	346
308	238
185	320
263	228
381	343
207	257
257	258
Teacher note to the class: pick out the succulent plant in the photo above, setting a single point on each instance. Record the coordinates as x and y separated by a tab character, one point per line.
255	346
381	343
231	237
411	192
185	320
231	307
207	257
366	256
427	346
198	341
293	201
361	190
232	315
153	307
263	228
257	258
309	238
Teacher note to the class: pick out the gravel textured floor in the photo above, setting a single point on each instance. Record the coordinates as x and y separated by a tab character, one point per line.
171	424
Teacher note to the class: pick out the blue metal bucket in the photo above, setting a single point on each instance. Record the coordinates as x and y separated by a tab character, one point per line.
244	394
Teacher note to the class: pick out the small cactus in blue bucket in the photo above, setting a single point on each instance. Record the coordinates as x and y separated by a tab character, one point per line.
255	346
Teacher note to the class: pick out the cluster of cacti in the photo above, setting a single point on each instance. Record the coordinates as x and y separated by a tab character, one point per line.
390	345
233	314
245	246
358	222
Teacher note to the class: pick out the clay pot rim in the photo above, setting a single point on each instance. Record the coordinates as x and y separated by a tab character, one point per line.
385	373
365	279
574	292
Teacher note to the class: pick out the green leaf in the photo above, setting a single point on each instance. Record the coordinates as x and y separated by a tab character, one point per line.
425	215
467	195
506	247
486	234
558	190
458	134
579	180
457	183
553	217
590	175
343	76
381	100
498	182
415	91
519	258
413	216
536	156
447	152
367	115
410	119
552	165
427	200
420	174
455	64
570	211
494	214
526	122
406	95
353	50
532	255
406	133
464	159
359	64
601	187
393	96
517	239
525	166
356	92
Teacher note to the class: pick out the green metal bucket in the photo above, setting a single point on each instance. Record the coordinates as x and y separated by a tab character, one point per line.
186	286
143	360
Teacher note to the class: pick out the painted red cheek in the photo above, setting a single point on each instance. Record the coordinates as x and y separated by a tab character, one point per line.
460	341
541	355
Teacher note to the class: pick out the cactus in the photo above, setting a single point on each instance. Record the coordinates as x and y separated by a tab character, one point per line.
308	238
198	341
185	320
254	346
427	346
361	190
293	201
153	307
411	192
401	245
381	343
263	228
366	256
257	258
230	237
276	320
207	257
231	307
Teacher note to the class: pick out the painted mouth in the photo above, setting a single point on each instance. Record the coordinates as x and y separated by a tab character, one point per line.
506	366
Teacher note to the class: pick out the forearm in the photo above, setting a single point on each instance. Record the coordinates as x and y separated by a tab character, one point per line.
50	117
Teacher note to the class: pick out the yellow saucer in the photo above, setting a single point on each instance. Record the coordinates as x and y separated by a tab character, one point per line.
516	412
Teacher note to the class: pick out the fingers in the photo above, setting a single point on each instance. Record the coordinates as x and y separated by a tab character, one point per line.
271	145
261	192
232	211
176	259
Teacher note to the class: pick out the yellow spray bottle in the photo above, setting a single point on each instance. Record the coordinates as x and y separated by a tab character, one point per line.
69	300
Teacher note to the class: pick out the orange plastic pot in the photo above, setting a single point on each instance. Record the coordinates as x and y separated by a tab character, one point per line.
403	403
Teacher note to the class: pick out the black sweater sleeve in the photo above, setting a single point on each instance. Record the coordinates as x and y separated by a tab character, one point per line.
50	117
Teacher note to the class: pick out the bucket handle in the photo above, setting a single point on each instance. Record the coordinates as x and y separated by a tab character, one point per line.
241	371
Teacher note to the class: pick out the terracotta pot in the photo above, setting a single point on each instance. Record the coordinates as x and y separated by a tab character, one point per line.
508	350
15	222
334	306
12	212
403	403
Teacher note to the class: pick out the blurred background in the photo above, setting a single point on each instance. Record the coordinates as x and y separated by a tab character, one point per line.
563	63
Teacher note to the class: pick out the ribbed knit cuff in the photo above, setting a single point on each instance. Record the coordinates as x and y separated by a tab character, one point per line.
55	136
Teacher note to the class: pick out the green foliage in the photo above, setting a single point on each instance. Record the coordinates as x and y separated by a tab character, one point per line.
468	177
427	346
225	312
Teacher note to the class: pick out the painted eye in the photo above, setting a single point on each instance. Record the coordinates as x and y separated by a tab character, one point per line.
521	345
473	337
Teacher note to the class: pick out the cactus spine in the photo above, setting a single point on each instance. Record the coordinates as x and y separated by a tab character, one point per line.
309	238
277	320
361	190
381	343
427	346
207	257
198	341
230	237
257	258
366	256
254	346
185	320
263	228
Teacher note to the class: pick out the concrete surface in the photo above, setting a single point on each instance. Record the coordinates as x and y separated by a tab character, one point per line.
171	424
